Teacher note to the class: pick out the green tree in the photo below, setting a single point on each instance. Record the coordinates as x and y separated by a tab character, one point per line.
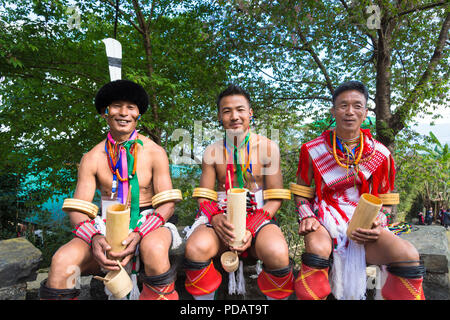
298	52
50	74
422	172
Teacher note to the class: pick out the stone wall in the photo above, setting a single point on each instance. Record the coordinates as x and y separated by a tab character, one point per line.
432	244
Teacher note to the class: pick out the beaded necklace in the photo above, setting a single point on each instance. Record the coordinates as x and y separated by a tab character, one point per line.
349	153
122	160
242	166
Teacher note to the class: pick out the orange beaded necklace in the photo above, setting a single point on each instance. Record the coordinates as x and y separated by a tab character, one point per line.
357	160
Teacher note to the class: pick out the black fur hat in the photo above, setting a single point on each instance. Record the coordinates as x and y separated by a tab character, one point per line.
124	90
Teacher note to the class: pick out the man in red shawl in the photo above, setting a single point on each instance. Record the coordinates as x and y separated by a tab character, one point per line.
346	162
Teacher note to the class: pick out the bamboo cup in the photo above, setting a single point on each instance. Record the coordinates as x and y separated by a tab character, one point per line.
230	261
117	225
118	282
365	213
236	213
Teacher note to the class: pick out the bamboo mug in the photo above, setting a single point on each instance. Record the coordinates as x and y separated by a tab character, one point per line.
365	213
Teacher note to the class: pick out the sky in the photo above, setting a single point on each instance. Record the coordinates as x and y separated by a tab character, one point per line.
441	127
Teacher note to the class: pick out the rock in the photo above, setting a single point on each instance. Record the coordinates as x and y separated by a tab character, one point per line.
432	244
19	261
14	292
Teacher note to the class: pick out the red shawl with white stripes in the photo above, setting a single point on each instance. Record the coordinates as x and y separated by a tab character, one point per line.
335	184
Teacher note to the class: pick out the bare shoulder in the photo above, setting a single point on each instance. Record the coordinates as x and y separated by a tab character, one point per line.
153	149
214	152
269	145
89	161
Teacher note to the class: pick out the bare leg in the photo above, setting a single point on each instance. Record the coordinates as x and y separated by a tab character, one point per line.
319	242
404	280
74	254
312	282
276	281
203	244
271	247
390	248
154	251
159	277
202	279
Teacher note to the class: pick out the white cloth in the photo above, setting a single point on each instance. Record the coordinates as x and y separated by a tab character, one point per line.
348	276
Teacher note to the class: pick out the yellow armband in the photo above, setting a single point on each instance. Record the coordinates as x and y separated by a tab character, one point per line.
302	191
86	207
277	194
390	199
205	193
166	196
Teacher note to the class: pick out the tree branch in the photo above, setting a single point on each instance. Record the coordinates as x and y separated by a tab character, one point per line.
110	2
306	98
316	60
422	8
398	120
362	29
291	81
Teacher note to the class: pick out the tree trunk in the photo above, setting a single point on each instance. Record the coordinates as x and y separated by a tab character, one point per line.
383	85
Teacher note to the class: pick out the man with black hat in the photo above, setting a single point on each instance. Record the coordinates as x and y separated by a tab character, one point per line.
124	163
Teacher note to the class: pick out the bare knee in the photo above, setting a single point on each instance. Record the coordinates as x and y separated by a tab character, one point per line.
272	248
154	251
408	252
64	266
390	248
275	255
318	242
201	246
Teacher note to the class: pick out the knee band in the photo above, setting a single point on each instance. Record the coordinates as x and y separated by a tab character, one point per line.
315	261
159	287
201	277
312	281
46	293
277	284
404	283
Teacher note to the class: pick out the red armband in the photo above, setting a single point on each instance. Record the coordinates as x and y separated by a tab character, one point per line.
209	209
153	222
86	231
256	220
304	211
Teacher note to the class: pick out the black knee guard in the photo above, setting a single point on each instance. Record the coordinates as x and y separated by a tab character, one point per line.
57	294
315	261
161	279
193	265
409	272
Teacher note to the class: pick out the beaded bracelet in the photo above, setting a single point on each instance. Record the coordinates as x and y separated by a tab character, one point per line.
304	210
388	215
153	222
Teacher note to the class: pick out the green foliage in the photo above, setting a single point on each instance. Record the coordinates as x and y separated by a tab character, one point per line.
293	54
422	172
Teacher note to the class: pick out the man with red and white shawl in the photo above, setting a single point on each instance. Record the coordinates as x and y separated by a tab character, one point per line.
346	162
